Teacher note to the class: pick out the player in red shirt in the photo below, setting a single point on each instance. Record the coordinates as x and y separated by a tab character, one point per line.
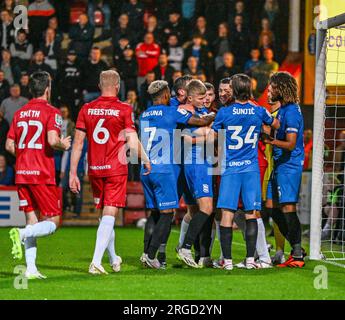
34	133
108	125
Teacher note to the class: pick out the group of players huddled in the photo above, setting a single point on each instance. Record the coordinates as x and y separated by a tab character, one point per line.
214	159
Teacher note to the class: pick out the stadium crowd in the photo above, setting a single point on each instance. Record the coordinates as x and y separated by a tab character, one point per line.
149	39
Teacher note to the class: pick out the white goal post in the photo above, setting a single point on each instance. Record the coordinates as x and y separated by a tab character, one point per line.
324	29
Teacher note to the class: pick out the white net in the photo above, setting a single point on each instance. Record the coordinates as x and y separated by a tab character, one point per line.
333	196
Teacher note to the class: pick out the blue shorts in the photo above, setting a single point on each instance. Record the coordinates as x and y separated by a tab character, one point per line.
199	180
160	191
285	186
182	187
269	195
246	184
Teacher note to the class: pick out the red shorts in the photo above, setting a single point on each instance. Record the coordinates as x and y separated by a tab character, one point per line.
109	191
42	197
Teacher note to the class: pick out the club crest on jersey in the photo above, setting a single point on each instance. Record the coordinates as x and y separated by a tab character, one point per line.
58	120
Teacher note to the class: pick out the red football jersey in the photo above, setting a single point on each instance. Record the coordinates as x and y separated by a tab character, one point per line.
29	129
104	120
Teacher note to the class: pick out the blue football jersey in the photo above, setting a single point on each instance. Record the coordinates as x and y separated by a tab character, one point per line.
157	126
242	124
194	154
291	121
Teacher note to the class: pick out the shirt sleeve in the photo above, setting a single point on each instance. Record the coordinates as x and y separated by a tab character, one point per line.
218	121
81	123
267	118
292	117
182	116
55	121
129	120
11	132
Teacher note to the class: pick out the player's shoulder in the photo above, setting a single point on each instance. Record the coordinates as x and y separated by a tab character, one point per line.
293	108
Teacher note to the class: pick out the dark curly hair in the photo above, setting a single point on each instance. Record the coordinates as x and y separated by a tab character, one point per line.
285	86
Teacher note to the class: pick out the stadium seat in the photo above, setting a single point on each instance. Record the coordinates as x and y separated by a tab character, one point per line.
135	203
131	216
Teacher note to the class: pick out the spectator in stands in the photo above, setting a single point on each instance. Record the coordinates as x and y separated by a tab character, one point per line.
264	70
202	29
153	27
120	48
162	8
144	97
90	75
147	54
54	24
81	35
39	12
221	44
265	43
175	25
128	69
4	127
192	68
175	52
253	62
13	103
69	83
38	64
266	30
24	86
239	10
11	70
188	9
102	7
123	31
21	50
228	69
199	51
51	49
241	41
6	29
8	5
214	11
271	11
308	149
4	86
163	71
135	11
6	172
132	100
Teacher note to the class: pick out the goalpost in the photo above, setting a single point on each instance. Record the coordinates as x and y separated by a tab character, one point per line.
327	198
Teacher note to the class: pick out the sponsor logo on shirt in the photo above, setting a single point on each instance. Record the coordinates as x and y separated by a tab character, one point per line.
107	166
240	163
165	204
28	172
205	188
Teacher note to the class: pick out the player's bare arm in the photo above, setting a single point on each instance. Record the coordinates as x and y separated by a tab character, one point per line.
199	135
136	147
288	144
202	122
10	146
57	143
77	148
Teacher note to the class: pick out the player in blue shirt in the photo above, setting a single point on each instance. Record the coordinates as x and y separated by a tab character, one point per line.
157	126
242	122
288	155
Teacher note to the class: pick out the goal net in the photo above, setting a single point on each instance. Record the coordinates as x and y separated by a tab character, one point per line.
327	231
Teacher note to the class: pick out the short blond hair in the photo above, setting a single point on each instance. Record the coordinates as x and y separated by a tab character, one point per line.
109	78
196	87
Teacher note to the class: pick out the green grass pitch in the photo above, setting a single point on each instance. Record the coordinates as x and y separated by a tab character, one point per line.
65	257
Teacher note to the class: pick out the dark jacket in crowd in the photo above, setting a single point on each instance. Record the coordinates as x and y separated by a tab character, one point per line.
82	39
34	67
203	57
135	14
4	89
9	35
225	72
128	70
69	77
90	75
4	127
